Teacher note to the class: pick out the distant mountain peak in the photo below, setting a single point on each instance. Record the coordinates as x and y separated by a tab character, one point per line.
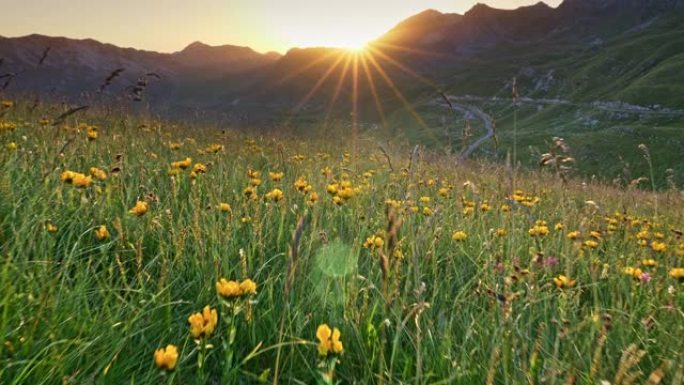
199	46
482	9
196	44
652	5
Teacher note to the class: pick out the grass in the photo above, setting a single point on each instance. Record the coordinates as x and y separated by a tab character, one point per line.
420	308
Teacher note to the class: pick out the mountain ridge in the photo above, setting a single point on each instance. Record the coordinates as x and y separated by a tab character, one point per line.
429	42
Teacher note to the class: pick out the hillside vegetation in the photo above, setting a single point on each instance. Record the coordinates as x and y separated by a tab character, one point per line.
136	251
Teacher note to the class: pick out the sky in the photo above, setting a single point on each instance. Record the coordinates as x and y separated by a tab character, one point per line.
265	25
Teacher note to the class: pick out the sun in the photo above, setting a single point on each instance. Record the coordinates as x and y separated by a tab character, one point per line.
354	40
356	48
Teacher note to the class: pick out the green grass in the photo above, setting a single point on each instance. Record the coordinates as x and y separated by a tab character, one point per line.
486	310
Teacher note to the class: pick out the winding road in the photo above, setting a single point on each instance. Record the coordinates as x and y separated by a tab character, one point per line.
474	111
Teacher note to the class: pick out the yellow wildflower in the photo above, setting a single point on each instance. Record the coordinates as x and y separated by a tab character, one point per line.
250	192
140	208
313	198
248	286
228	289
328	340
214	148
658	247
101	233
332	188
374	241
92	133
459	236
98	173
300	184
276	176
204	323
67	176
166	358
649	262
182	164
80	180
677	273
199	168
275	195
633	272
590	243
538	230
563	282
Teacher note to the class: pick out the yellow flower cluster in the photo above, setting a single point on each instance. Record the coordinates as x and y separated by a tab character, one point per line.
524	199
374	241
539	229
182	164
658	247
98	174
276	176
166	358
633	272
564	282
76	179
140	208
91	133
7	127
677	273
232	289
342	191
590	243
275	195
459	236
328	340
101	233
203	324
302	185
213	148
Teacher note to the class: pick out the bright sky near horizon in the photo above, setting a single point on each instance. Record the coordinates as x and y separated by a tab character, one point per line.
265	25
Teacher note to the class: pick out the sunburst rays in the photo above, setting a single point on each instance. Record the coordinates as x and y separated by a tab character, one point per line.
371	70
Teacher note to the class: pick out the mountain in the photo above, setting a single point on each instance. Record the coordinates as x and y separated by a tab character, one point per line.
225	57
70	67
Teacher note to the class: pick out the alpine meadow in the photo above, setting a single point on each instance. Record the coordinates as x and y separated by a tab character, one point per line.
490	197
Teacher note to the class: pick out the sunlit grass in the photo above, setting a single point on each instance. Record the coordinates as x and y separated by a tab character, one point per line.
430	272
